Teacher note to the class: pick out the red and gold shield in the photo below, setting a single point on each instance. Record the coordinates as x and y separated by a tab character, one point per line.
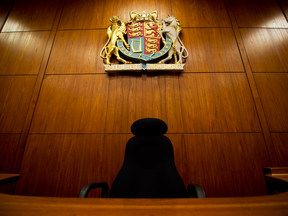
143	36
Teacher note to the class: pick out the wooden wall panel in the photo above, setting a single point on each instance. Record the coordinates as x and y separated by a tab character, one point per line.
93	110
30	15
77	52
224	164
15	96
267	49
57	173
206	13
212	99
70	162
135	97
280	141
273	89
103	159
217	103
4	11
91	14
22	52
71	104
211	50
8	146
258	13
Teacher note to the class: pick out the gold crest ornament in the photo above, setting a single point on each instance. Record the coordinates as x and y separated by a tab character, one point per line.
144	35
115	31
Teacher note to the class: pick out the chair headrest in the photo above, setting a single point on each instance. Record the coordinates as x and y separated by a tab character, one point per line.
149	127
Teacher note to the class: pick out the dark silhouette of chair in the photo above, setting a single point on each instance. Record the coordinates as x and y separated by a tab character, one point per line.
148	170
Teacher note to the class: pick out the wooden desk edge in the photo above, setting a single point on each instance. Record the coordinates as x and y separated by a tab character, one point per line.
8	178
258	205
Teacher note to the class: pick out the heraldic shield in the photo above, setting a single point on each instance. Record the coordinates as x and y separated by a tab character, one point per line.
142	48
143	36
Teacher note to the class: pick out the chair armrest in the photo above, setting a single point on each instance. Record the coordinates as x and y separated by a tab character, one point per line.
85	190
196	191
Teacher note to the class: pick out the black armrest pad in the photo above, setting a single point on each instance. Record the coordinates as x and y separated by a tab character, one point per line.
196	191
85	190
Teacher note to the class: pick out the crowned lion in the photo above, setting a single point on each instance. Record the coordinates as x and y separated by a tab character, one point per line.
115	32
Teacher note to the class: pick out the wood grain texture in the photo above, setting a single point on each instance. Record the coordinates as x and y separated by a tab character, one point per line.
258	13
38	84
91	14
206	13
77	52
219	102
8	146
238	206
135	97
8	143
51	166
70	162
103	159
4	11
22	52
280	141
15	96
211	50
71	104
267	49
273	88
102	104
254	90
31	15
224	164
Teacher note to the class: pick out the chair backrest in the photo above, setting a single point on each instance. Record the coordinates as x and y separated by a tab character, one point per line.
148	170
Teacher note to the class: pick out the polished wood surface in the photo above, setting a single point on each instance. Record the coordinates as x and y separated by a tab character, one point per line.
253	87
216	95
258	205
91	14
16	92
211	103
276	171
95	111
31	15
8	146
70	162
276	179
280	142
264	13
4	11
77	52
204	13
273	89
211	50
272	56
261	205
22	52
205	158
72	104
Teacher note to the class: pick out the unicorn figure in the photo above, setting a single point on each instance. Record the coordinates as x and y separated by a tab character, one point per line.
172	27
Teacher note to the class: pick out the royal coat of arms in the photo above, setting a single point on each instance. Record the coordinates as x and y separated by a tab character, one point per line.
140	44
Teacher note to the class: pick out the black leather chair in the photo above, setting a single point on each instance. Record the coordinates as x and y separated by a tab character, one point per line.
148	170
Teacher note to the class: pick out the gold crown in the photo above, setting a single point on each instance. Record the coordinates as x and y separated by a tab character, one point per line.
152	16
